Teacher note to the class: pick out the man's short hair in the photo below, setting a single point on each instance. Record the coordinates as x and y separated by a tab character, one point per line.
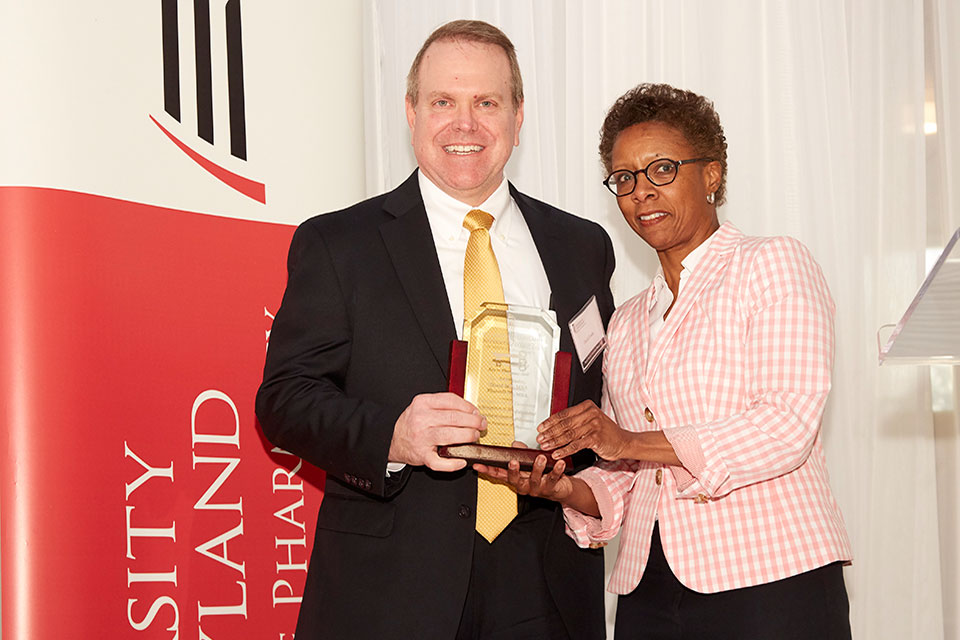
469	31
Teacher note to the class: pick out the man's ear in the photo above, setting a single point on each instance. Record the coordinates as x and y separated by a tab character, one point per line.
411	112
519	116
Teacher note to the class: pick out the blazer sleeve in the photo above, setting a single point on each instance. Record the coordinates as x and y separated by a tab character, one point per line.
301	404
788	334
610	482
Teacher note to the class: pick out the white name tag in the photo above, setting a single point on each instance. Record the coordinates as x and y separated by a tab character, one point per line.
586	329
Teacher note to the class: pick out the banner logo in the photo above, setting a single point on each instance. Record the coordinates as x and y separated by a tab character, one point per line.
204	73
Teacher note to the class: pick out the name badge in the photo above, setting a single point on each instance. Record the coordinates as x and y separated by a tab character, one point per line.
586	329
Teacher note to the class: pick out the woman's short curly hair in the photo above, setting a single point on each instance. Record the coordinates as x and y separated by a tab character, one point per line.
690	114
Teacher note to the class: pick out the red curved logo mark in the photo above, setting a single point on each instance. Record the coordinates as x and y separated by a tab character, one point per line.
246	186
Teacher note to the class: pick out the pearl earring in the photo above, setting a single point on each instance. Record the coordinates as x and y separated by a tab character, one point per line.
710	198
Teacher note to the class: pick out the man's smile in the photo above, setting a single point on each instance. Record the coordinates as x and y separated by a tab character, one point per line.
463	149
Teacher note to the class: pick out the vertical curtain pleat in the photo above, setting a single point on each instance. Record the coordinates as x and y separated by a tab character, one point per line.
944	154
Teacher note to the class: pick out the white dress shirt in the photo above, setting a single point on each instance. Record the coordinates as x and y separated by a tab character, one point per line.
524	279
662	296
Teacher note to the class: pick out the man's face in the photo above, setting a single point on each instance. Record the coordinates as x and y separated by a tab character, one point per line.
464	124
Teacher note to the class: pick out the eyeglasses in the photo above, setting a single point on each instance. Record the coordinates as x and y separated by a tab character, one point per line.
660	173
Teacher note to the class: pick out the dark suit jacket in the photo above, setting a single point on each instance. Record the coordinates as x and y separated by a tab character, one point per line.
364	326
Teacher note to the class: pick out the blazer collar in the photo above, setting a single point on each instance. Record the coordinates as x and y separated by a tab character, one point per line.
536	217
555	261
409	243
708	271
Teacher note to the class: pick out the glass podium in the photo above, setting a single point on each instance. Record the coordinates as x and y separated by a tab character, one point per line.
929	331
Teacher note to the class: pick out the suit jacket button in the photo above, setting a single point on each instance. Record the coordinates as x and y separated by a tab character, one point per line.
659	477
463	511
648	414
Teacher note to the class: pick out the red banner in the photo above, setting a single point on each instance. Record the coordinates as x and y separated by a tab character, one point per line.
139	499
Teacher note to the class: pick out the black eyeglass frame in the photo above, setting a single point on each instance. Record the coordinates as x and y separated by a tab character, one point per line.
678	163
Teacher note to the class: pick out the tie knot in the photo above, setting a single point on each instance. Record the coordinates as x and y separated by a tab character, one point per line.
477	219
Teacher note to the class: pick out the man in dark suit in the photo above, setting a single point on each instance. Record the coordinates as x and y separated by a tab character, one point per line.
357	369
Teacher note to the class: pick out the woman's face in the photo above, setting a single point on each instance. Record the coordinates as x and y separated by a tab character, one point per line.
675	217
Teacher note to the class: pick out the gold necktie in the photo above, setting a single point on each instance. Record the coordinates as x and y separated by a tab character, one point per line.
496	503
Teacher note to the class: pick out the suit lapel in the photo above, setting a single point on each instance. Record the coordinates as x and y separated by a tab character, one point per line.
626	357
640	343
409	242
553	256
708	272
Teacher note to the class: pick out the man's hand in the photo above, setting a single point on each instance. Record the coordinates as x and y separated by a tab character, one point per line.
431	420
582	426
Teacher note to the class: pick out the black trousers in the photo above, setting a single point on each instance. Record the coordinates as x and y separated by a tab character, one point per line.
508	597
808	606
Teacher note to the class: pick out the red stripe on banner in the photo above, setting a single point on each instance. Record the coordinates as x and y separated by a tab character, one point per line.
137	493
246	186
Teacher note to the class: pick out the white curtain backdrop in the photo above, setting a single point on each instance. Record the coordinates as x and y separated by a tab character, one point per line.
823	106
943	153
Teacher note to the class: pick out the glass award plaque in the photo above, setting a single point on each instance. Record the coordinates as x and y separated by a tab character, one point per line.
509	362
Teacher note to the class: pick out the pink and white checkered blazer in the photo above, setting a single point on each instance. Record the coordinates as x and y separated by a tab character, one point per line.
737	379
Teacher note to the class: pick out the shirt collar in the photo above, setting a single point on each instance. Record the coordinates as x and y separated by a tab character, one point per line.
689	265
694	257
447	213
659	284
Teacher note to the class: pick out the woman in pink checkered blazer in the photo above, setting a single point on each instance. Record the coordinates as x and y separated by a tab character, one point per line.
715	380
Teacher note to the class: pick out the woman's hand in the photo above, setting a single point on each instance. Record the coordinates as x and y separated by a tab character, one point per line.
583	426
552	486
